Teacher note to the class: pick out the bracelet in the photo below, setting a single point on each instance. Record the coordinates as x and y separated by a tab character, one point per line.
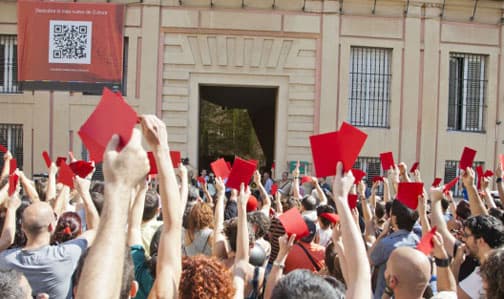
498	180
443	263
296	178
388	291
279	265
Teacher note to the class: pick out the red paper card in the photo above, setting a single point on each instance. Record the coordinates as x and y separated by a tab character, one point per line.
152	163
175	158
47	159
81	168
334	218
13	166
274	189
241	172
111	116
377	179
387	160
13	180
229	165
60	160
352	200
306	179
450	185
3	149
414	167
330	148
358	175
273	165
426	244
488	173
293	223
479	171
65	175
467	158
501	160
220	168
407	193
201	180
436	182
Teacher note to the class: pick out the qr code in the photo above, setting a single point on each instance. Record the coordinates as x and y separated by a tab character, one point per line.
70	42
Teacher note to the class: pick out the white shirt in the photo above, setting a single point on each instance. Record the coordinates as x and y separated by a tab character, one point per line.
324	236
472	285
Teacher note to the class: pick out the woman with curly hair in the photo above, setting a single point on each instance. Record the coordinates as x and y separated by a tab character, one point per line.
204	278
492	274
69	227
198	236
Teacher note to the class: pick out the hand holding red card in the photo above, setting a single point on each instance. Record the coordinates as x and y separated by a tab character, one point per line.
293	223
436	182
241	172
352	200
414	167
426	244
407	193
377	179
387	161
467	158
111	116
450	185
358	175
82	168
220	168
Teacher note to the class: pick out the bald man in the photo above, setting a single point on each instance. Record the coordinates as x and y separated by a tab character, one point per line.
48	268
407	273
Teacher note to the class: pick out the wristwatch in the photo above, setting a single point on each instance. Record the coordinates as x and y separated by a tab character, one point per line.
279	265
443	263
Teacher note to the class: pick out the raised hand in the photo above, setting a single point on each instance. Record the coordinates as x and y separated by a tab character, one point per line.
342	182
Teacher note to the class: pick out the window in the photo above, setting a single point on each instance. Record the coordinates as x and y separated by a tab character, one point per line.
369	90
11	136
8	64
372	167
452	171
467	88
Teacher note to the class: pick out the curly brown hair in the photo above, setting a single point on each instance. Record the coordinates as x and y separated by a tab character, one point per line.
201	216
204	278
492	274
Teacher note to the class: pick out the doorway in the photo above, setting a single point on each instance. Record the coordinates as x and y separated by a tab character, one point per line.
237	120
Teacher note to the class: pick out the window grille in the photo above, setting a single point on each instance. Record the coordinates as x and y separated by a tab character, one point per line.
11	137
372	167
452	171
467	89
8	64
369	90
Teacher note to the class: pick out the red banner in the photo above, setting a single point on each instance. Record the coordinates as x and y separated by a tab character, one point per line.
70	42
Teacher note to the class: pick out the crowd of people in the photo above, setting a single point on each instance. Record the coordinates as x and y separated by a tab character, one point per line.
177	236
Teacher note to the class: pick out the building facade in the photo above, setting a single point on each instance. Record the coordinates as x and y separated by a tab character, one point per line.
422	77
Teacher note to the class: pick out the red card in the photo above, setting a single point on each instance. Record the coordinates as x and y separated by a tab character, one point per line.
334	218
450	185
229	165
65	175
387	160
274	189
47	159
273	165
3	149
81	168
352	200
220	168
60	160
175	158
241	172
467	158
501	160
13	180
426	244
306	179
377	179
13	166
436	182
407	193
152	163
111	116
488	173
293	223
414	167
479	171
358	175
330	148
201	180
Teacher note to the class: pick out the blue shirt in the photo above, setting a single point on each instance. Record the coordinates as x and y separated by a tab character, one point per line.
382	251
